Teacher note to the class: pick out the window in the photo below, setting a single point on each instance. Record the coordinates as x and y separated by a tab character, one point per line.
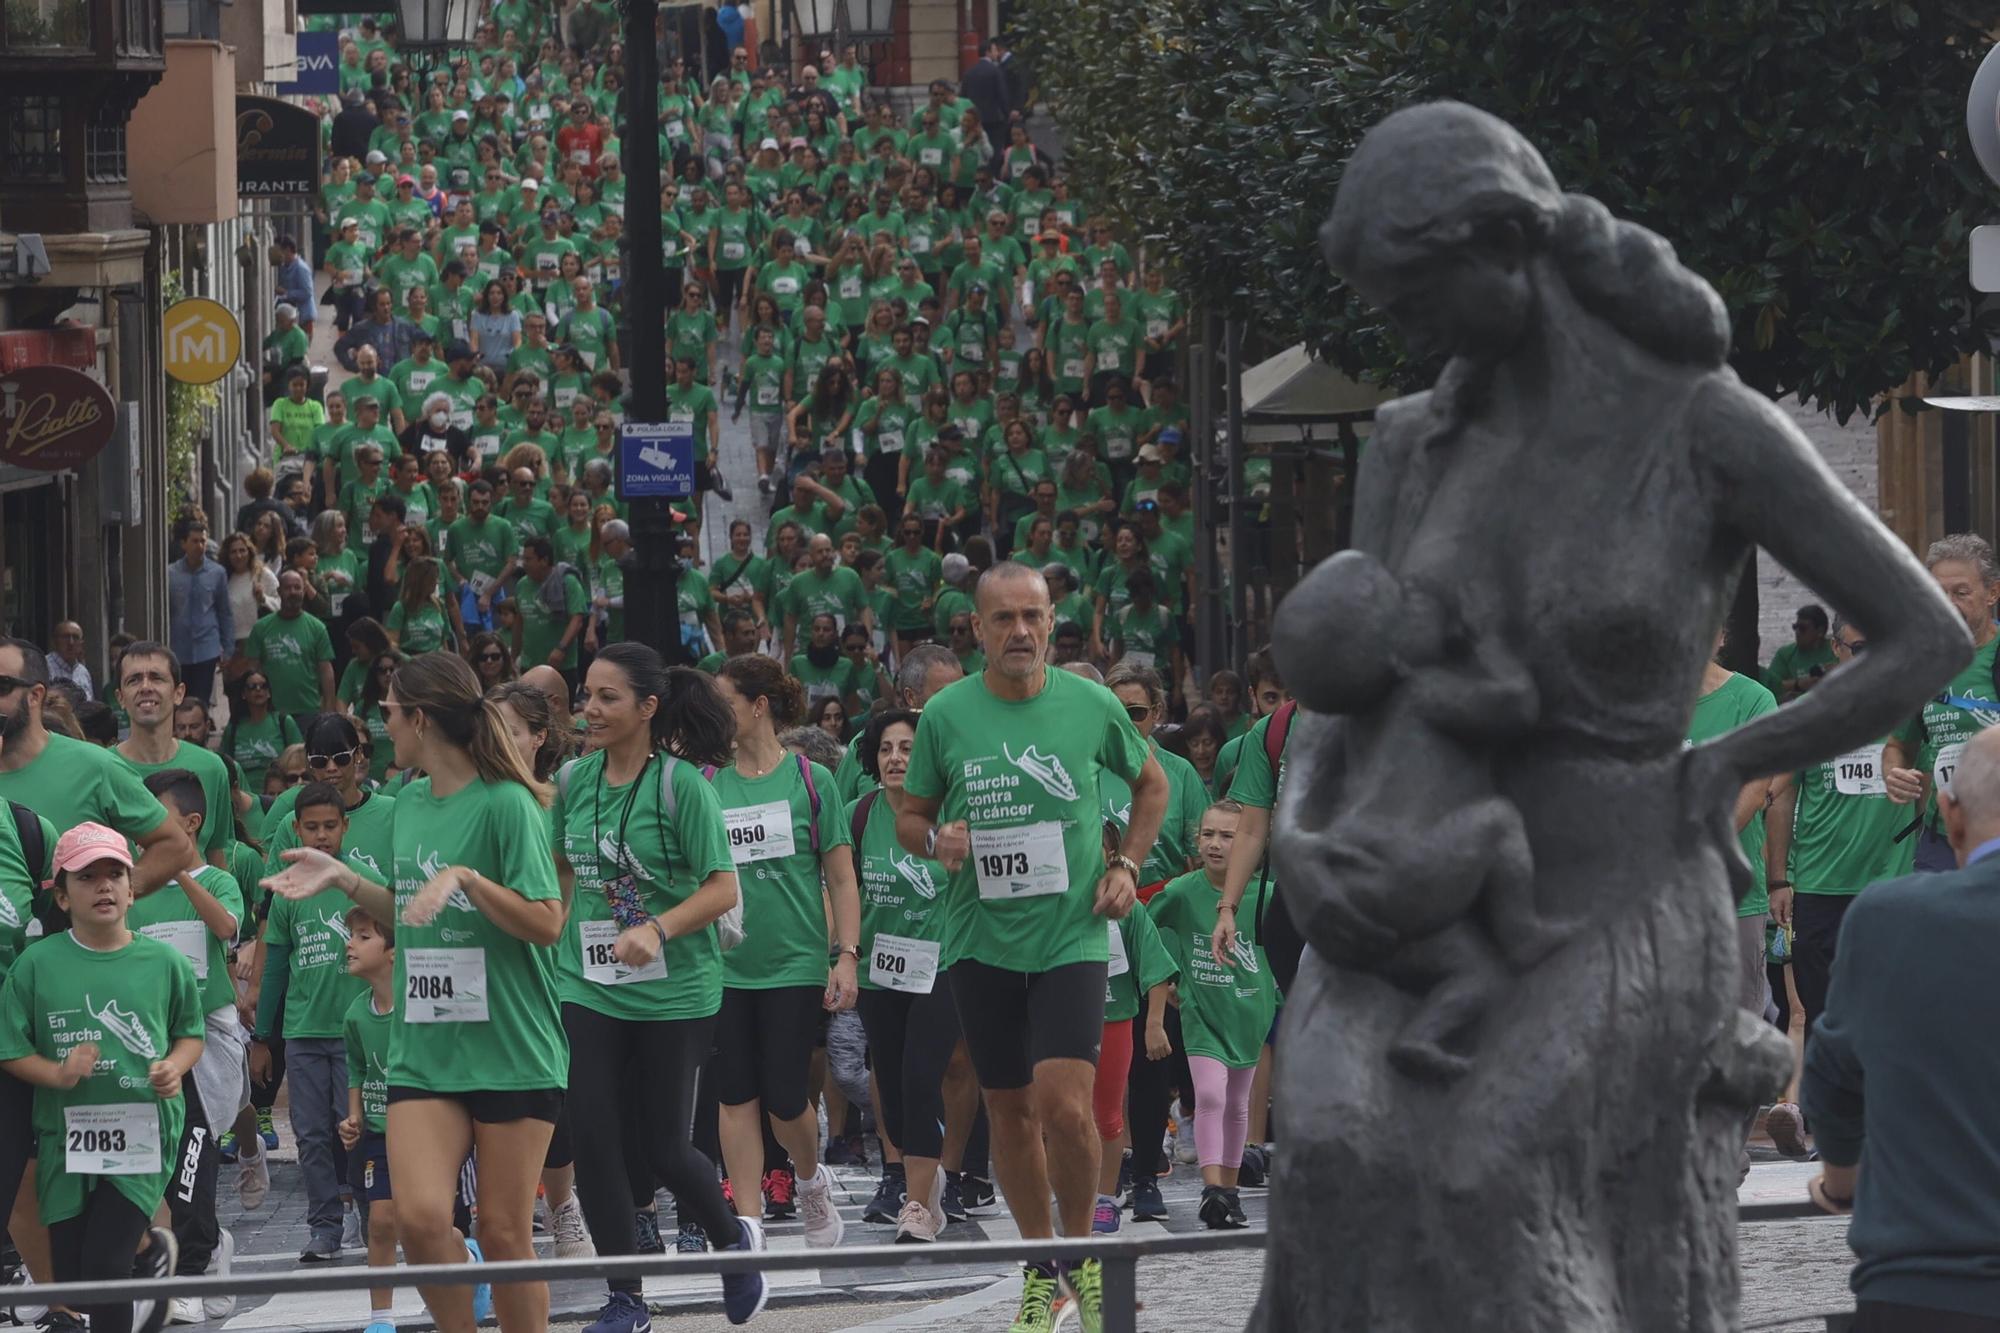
104	151
201	19
140	30
46	24
32	149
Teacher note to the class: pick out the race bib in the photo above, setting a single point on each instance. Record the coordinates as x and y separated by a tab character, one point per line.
972	351
920	244
1118	446
1156	328
350	277
676	129
445	986
581	156
1859	772
732	250
891	440
190	938
930	157
111	1140
898	963
760	832
601	965
1120	962
785	286
421	380
1109	359
1137	658
767	395
546	263
1073	368
334	601
850	289
1946	765
1025	861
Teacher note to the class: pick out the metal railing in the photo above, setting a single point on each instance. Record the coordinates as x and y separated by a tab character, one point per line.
1120	1256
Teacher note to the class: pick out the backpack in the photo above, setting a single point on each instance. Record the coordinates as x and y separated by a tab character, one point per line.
858	819
1276	734
35	851
728	926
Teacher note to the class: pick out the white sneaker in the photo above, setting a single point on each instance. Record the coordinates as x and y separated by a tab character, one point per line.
572	1236
916	1224
1184	1149
185	1310
27	1314
351	1237
253	1176
823	1224
219	1265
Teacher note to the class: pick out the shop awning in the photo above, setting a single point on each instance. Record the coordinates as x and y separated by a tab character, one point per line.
1297	387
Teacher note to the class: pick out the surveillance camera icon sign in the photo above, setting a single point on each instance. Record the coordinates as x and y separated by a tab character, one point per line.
656	459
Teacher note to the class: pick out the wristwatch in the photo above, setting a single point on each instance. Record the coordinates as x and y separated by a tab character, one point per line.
845	951
1779	884
1124	862
930	842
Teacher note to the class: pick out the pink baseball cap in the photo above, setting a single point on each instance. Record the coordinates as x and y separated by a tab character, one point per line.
87	844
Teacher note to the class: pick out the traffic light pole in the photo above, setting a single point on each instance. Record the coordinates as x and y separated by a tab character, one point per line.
650	585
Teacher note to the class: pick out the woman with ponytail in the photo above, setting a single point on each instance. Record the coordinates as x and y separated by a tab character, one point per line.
478	1058
644	858
787	835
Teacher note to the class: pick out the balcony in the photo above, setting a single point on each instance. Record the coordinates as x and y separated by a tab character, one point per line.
51	36
184	138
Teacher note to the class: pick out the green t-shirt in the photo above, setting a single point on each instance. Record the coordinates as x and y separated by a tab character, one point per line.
914	578
218	827
766	377
424	632
543	623
622	844
1187	802
367	847
18	882
832	682
476	1008
480	551
1844	830
318	991
1963	709
1790	661
367	1034
134	1003
1226	1012
297	422
769	822
73	782
899	899
291	651
167	916
838	591
1139	962
1723	709
1026	776
255	746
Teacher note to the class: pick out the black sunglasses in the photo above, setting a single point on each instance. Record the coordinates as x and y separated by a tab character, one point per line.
1138	712
11	683
249	685
492	657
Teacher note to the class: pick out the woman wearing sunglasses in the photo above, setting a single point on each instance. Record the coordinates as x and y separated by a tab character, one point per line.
492	660
369	713
256	735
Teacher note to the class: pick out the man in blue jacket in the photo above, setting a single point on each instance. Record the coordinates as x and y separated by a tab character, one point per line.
1897	1072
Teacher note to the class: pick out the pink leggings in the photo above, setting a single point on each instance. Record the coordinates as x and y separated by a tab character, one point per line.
1222	1110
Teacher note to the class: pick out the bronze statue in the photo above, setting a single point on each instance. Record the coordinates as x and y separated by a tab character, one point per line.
1514	1077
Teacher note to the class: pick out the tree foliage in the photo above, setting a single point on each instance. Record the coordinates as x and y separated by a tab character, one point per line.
1807	157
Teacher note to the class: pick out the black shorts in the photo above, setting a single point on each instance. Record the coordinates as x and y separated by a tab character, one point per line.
491	1107
368	1168
763	1047
1015	1020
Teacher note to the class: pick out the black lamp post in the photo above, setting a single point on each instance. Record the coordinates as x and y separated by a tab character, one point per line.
427	29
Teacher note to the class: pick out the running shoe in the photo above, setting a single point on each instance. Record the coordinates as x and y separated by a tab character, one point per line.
1215	1214
220	1264
572	1236
975	1191
1083	1283
1256	1169
1038	1298
59	1321
265	1129
1124	1175
1237	1220
352	1236
622	1313
764	483
646	1232
321	1249
954	1201
916	1224
380	1326
253	1179
482	1295
844	1151
691	1240
27	1312
226	1145
1104	1218
780	1194
744	1294
882	1209
1184	1150
155	1263
1787	1128
823	1224
184	1310
1145	1201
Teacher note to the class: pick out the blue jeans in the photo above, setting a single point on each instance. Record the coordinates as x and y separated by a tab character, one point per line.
317	1068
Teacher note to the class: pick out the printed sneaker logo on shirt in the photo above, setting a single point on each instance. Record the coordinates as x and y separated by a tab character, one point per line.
1044	769
433	865
10	916
124	1026
619	856
336	923
1245	954
363	861
916	873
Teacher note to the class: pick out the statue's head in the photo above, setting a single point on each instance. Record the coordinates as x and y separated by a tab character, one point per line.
1443	210
1349	632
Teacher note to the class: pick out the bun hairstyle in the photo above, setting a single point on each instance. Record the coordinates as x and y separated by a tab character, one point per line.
692	722
441	686
758	677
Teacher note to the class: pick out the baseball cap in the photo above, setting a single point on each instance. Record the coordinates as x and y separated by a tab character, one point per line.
798	141
1151	454
406	180
1050	236
979	287
87	844
365	178
768	143
457	351
376	155
1171	435
461	114
530	183
422	335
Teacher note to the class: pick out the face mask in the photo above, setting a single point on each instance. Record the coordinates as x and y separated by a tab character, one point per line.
438	419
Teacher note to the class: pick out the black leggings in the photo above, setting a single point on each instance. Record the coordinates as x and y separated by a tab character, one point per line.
97	1245
1151	1086
608	1059
764	1043
910	1041
17	1134
728	291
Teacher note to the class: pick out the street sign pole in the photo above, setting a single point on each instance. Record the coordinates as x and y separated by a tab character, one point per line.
650	586
655	468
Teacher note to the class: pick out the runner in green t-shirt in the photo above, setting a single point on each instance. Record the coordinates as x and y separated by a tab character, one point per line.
198	913
150	689
787	837
1726	702
1797	666
645	860
1009	764
294	650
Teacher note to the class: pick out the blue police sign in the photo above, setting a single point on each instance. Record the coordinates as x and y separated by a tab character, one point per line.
319	66
656	459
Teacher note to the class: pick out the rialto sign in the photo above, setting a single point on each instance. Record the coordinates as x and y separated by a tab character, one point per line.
52	417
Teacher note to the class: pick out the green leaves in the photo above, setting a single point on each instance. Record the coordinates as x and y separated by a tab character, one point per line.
1806	156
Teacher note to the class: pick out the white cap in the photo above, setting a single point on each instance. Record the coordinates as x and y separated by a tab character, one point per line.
461	114
768	143
530	183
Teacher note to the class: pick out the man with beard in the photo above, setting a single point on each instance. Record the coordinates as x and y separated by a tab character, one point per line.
294	649
71	782
150	688
827	586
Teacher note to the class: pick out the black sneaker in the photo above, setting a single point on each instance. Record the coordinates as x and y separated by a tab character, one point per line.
953	1205
646	1232
60	1321
888	1201
1256	1167
155	1263
976	1190
1145	1202
1124	1175
1215	1213
1235	1203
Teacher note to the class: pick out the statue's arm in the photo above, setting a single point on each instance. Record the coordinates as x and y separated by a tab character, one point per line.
1488	698
1769	488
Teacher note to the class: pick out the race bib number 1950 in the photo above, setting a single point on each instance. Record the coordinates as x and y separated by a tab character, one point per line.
760	832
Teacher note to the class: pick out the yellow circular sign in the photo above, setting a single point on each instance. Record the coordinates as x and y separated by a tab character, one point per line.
200	340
